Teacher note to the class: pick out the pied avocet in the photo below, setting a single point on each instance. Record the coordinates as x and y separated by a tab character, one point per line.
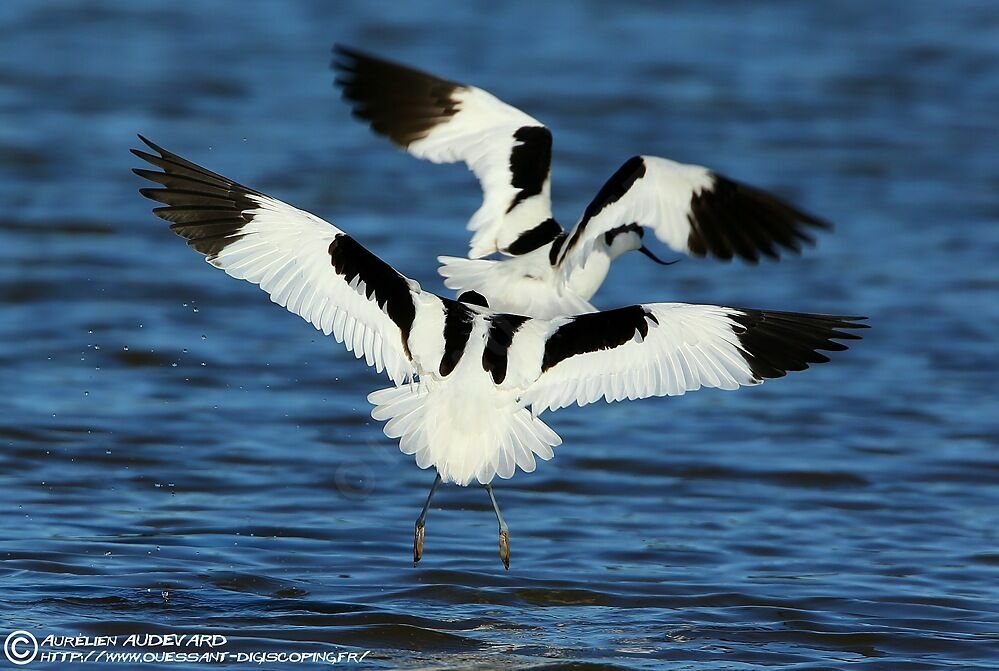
470	382
549	272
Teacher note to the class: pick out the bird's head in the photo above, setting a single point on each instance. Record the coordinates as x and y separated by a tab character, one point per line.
628	238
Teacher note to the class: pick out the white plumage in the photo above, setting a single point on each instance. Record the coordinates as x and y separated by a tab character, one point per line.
482	137
546	271
470	382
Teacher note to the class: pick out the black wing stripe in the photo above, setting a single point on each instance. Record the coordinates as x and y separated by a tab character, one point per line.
613	190
502	328
382	282
772	343
530	162
537	237
594	332
458	322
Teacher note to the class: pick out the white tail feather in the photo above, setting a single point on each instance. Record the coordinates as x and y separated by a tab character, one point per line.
465	443
465	274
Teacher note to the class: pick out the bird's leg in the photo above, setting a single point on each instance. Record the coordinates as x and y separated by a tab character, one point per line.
504	530
421	521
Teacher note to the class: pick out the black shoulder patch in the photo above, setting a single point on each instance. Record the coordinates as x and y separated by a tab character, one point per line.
389	289
775	342
502	327
458	321
539	236
399	102
473	298
611	192
530	162
730	219
204	208
594	332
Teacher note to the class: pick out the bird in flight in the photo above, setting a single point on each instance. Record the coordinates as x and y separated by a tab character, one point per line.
548	271
470	382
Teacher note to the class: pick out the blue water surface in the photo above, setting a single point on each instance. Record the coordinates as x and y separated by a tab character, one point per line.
178	455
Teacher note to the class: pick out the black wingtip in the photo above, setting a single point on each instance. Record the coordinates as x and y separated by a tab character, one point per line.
340	49
346	59
774	343
149	143
163	153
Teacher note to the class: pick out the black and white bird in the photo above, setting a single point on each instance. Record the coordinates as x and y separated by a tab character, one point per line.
471	382
550	272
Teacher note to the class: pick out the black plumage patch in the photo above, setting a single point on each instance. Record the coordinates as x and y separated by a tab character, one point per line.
730	219
628	228
458	321
471	297
612	191
775	342
399	102
539	236
556	247
382	282
502	328
594	332
530	162
205	208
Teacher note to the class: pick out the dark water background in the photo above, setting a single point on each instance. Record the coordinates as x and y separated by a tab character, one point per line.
179	455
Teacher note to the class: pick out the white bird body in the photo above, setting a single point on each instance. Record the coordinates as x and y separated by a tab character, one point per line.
526	284
470	382
530	284
690	208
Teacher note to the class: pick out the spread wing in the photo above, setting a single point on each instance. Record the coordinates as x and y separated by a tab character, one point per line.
307	265
668	349
693	210
447	122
